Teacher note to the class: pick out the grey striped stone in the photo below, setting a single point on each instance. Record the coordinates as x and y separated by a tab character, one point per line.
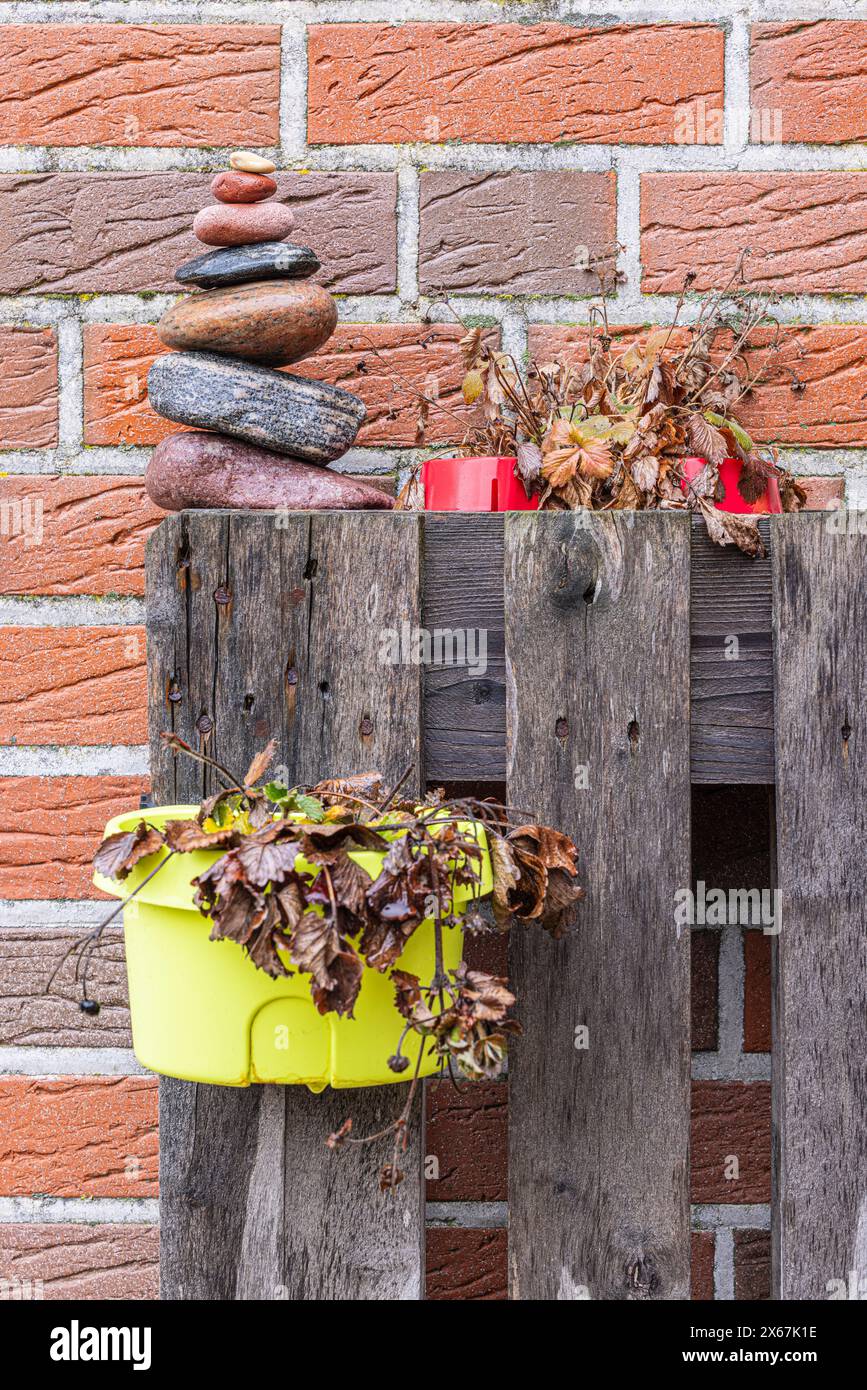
290	414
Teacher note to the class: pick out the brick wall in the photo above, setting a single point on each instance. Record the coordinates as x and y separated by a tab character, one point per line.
430	147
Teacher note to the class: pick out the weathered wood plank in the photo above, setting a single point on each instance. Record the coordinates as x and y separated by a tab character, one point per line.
597	646
465	709
820	1039
275	629
732	690
732	700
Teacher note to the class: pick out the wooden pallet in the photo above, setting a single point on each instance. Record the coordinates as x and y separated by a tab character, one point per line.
610	686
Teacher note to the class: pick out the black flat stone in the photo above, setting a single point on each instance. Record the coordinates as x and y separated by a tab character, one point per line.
233	265
310	420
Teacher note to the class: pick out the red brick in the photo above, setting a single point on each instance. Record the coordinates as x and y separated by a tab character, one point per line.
387	365
130	84
77	1261
28	388
81	685
827	364
464	1263
83	1136
731	1118
757	992
124	232
815	75
823	494
704	993
752	1265
530	83
467	1132
516	233
93	535
808	232
51	827
702	1249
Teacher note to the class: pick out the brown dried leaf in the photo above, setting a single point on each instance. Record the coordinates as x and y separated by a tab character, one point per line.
118	854
705	439
729	528
187	835
260	764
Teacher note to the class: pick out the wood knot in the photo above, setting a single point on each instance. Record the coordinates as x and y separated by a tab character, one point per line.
561	728
222	595
365	728
642	1277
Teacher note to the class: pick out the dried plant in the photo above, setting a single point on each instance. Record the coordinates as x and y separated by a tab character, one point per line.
606	427
287	891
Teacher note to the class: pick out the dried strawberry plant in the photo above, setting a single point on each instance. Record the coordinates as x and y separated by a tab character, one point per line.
605	427
337	922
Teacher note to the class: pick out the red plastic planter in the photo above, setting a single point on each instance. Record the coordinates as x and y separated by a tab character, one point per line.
730	472
474	485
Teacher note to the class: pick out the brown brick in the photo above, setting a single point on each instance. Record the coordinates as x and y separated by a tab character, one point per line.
702	1249
826	364
731	836
752	1264
757	991
131	84
488	951
83	1136
81	685
29	956
467	1132
51	827
518	233
823	494
28	388
387	365
814	76
808	232
704	993
93	535
464	1263
528	83
76	1261
118	232
731	1118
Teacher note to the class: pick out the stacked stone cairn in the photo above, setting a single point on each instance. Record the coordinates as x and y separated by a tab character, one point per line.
261	437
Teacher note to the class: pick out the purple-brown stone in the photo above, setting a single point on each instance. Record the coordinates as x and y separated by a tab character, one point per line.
231	186
239	224
195	469
272	322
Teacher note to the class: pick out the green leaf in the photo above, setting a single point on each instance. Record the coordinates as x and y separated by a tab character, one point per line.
309	806
275	792
737	430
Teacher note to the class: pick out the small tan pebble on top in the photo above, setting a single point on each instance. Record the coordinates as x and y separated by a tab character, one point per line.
251	163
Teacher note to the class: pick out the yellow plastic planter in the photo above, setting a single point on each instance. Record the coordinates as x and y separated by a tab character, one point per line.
201	1010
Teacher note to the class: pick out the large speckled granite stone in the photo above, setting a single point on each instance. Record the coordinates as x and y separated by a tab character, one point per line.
194	469
273	322
308	419
234	265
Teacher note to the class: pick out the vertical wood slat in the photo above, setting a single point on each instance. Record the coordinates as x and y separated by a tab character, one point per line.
820	1026
262	627
731	689
598	1159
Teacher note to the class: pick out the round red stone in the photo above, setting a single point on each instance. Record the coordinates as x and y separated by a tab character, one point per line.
232	186
242	224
